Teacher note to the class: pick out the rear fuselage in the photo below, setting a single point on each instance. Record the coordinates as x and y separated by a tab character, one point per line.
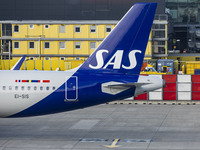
28	93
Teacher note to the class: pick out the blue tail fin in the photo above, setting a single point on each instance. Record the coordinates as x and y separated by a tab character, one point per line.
123	50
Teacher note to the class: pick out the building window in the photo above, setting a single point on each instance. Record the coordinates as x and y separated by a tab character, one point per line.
92	29
77	45
16	45
108	28
92	45
46	45
197	59
161	43
158	34
16	28
62	45
77	29
47	58
31	26
62	29
31	45
162	26
46	26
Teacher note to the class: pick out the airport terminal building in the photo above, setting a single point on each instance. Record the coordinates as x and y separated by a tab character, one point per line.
69	29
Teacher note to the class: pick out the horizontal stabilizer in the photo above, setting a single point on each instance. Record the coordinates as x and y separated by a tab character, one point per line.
126	85
18	65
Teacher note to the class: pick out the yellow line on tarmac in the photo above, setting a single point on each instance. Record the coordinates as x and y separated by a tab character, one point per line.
113	144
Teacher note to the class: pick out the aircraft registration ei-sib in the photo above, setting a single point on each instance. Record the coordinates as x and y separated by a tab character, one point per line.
111	73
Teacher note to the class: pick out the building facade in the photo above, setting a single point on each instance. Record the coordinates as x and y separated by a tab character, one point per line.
66	40
69	29
186	18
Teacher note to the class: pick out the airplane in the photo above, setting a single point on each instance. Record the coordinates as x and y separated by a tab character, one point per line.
111	73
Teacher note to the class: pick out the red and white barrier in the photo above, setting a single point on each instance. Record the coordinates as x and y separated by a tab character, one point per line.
157	94
195	87
178	87
184	87
170	89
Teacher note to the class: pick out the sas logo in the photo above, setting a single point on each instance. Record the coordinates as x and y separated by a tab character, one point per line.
115	60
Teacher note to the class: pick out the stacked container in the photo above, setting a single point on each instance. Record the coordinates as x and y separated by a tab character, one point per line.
184	87
169	92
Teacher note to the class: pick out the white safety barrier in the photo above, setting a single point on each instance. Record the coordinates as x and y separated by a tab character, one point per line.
184	87
178	88
157	94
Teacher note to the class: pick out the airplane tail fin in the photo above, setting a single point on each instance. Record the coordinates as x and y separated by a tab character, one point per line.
123	50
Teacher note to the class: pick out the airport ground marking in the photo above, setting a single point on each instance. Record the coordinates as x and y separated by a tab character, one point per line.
113	144
138	140
93	140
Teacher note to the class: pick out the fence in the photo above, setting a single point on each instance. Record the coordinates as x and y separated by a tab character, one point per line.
41	64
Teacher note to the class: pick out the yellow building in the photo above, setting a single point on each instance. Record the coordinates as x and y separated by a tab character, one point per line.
67	40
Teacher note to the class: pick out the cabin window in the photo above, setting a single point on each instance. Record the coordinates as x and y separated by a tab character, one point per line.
28	88
47	88
35	88
22	88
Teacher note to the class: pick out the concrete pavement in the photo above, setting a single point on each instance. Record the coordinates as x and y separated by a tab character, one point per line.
108	126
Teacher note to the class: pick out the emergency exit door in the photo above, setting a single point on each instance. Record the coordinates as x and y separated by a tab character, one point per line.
71	89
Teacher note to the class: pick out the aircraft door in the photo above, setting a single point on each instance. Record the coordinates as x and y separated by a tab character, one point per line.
71	89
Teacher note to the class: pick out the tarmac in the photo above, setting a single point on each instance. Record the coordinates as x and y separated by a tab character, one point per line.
107	126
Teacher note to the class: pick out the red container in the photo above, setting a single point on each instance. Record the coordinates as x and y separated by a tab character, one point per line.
195	87
169	78
141	97
170	87
195	95
169	96
196	78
